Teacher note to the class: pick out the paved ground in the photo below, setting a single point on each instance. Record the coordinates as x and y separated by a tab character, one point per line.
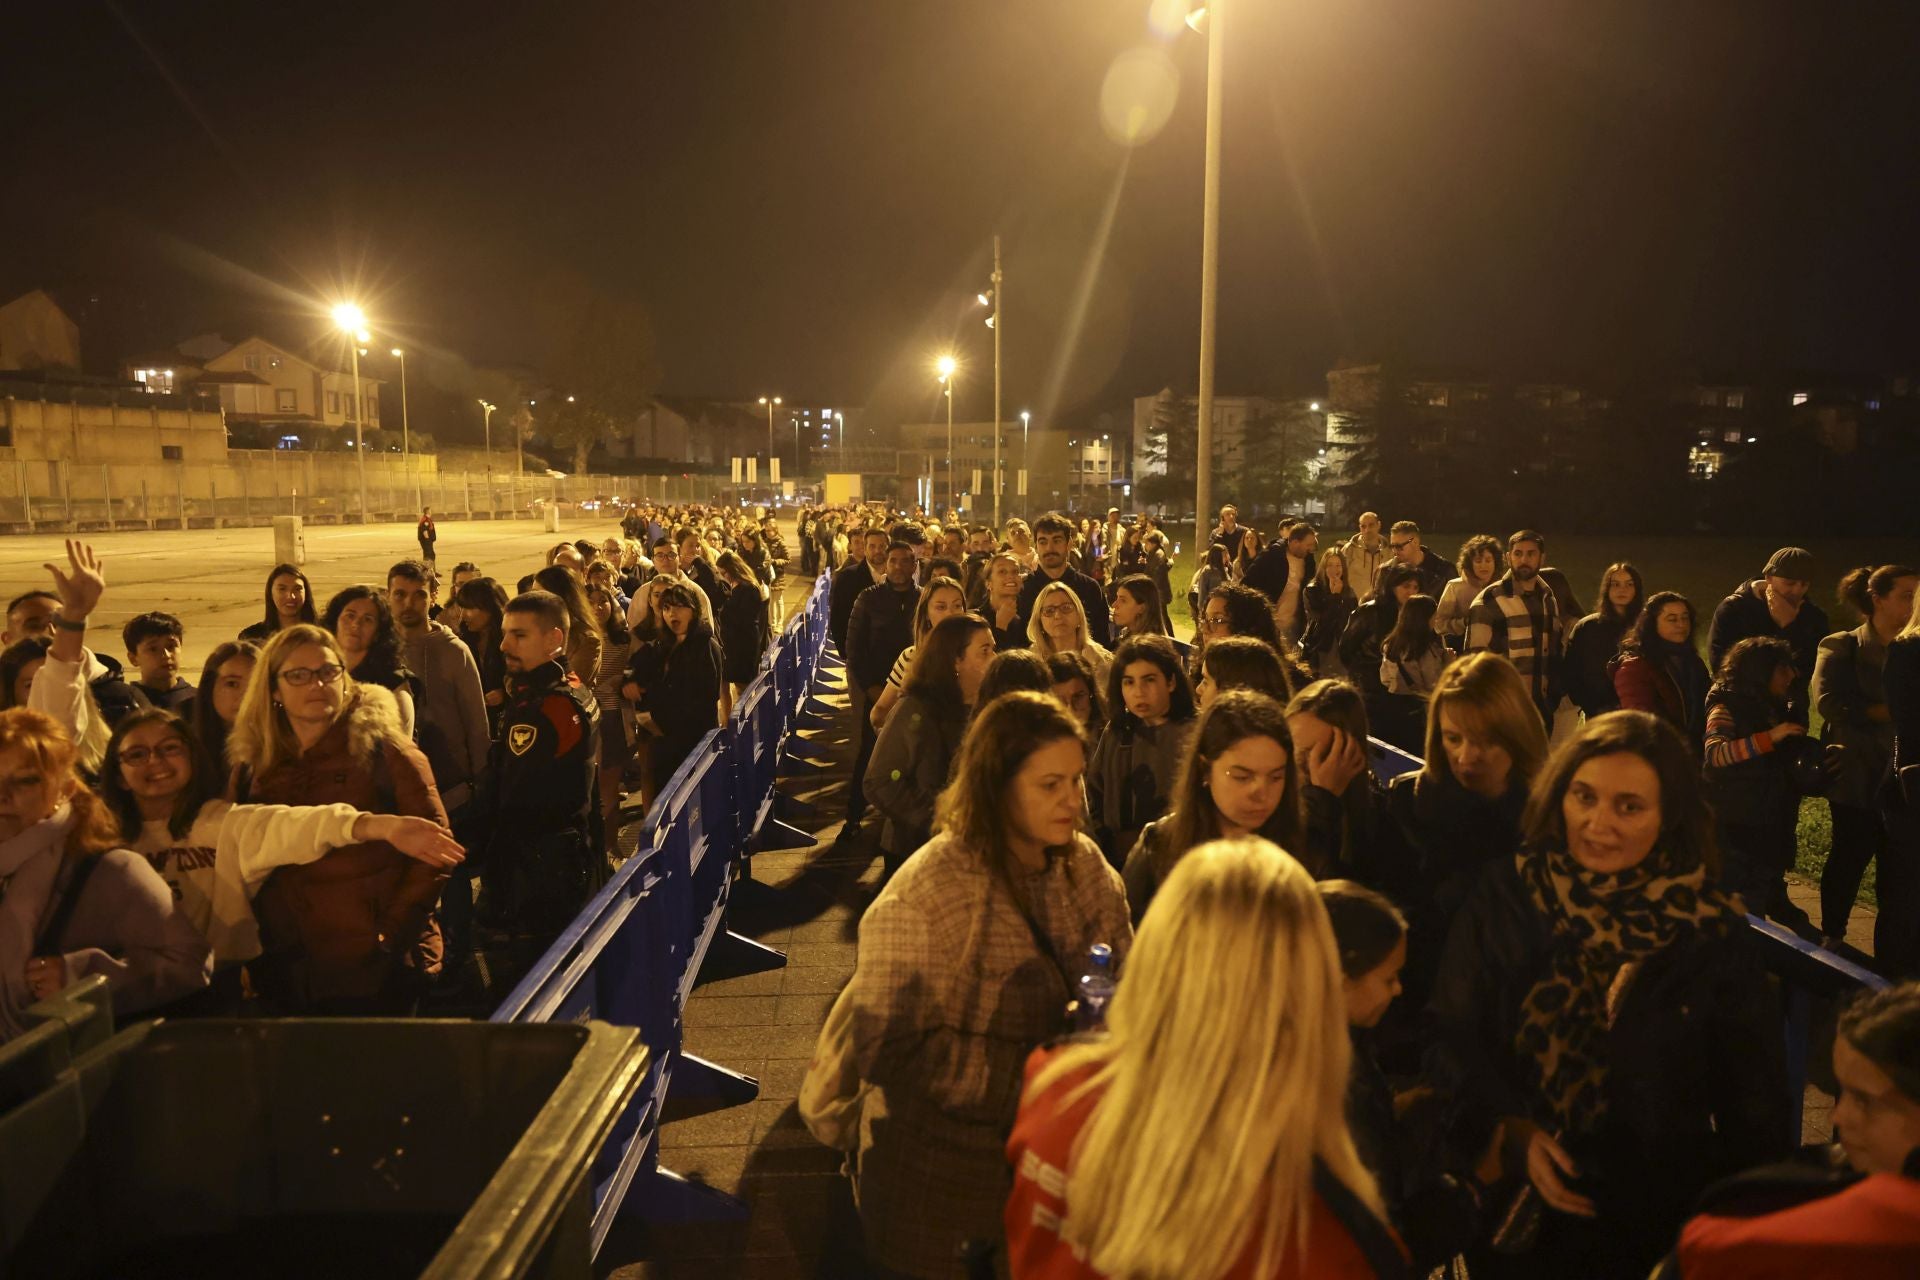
215	579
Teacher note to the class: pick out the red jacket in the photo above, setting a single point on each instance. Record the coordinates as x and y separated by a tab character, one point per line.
343	927
1868	1231
1040	1151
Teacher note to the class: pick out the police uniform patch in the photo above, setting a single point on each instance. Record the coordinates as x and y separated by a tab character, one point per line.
520	737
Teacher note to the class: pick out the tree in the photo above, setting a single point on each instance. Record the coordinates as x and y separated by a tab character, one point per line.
601	364
1279	457
1171	449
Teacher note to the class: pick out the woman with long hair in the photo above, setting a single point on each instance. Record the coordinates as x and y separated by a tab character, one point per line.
1239	777
584	639
1346	807
680	676
1595	639
1240	662
1660	672
1233	610
616	713
216	703
941	598
1130	779
1074	684
1058	624
289	602
914	752
967	960
1203	1134
481	606
1413	655
1461	809
165	796
1364	641
1849	691
1599	1004
745	627
73	901
354	932
1478	564
1435	1208
1749	773
1138	609
1328	600
362	621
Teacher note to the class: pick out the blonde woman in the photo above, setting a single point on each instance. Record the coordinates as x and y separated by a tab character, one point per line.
965	964
1204	1134
1059	625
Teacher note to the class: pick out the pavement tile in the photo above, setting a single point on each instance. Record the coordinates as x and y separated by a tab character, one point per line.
780	1078
729	1127
768	983
731	1011
726	1044
825	979
808	1008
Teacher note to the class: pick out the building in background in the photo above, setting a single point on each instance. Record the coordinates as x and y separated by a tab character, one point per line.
36	335
261	382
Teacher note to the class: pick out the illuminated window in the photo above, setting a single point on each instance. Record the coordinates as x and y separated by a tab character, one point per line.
1437	397
1873	404
1735	400
1732	437
1799	397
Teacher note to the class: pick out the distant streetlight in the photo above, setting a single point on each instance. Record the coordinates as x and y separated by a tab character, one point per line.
946	365
1026	421
769	404
840	419
406	435
1314	407
487	422
353	321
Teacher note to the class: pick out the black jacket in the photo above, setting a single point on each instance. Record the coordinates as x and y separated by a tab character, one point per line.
680	688
1901	679
1326	621
1744	614
878	632
1268	573
1696	1080
1591	646
851	579
1362	640
1092	599
542	860
1434	573
744	633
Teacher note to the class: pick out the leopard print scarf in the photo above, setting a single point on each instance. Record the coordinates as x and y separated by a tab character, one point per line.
1599	922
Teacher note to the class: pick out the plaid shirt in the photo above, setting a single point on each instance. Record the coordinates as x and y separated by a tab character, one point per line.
1526	628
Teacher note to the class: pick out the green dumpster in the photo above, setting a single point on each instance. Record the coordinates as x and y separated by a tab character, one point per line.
365	1148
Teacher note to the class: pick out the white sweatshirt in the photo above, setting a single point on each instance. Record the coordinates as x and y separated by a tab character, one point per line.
229	852
60	690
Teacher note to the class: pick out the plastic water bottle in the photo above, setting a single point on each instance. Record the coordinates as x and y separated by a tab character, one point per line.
1096	988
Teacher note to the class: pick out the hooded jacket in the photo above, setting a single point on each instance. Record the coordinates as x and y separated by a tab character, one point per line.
450	718
343	927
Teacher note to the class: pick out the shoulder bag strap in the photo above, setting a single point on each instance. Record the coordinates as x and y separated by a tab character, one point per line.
49	939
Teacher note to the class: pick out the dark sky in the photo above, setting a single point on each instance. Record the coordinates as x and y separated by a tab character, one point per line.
803	194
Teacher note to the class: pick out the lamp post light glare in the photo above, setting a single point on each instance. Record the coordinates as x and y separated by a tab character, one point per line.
770	407
353	321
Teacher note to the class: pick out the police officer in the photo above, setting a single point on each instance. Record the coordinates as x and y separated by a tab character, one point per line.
542	861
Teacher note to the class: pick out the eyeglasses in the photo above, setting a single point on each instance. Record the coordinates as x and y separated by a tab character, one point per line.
301	677
171	750
1057	611
1212	623
1401	546
16	786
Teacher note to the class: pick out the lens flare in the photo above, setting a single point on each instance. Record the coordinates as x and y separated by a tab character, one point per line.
1138	96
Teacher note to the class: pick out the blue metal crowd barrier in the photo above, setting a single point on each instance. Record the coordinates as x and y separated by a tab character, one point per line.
1806	972
632	955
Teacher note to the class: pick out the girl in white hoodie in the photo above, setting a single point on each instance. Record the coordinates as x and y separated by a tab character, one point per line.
216	854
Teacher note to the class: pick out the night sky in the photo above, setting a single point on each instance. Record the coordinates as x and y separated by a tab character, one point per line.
803	194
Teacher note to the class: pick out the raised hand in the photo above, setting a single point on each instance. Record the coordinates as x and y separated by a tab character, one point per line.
82	584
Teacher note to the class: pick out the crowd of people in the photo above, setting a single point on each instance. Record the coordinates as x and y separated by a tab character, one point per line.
1504	1011
360	803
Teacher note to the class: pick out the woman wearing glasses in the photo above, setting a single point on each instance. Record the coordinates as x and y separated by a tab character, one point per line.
354	932
215	855
1059	625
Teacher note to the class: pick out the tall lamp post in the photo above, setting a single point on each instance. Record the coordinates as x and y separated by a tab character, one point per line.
947	365
353	321
1209	273
1026	505
770	407
406	433
993	323
486	422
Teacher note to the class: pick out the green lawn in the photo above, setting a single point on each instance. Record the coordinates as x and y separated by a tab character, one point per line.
1705	570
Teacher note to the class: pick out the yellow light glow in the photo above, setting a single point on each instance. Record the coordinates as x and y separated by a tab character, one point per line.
396	352
349	317
945	366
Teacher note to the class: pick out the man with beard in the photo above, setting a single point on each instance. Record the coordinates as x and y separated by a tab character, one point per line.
1518	617
542	861
1052	539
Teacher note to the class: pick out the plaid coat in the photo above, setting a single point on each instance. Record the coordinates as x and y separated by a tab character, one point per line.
950	993
1499	622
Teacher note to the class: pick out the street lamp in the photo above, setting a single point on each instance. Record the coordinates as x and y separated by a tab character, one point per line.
1210	16
353	321
946	365
993	323
1026	420
841	420
406	434
770	405
486	421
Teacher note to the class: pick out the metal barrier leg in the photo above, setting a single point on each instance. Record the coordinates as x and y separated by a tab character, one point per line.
668	1197
799	748
711	1084
775	834
741	955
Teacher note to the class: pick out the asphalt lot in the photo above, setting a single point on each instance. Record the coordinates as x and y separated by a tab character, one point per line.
214	580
